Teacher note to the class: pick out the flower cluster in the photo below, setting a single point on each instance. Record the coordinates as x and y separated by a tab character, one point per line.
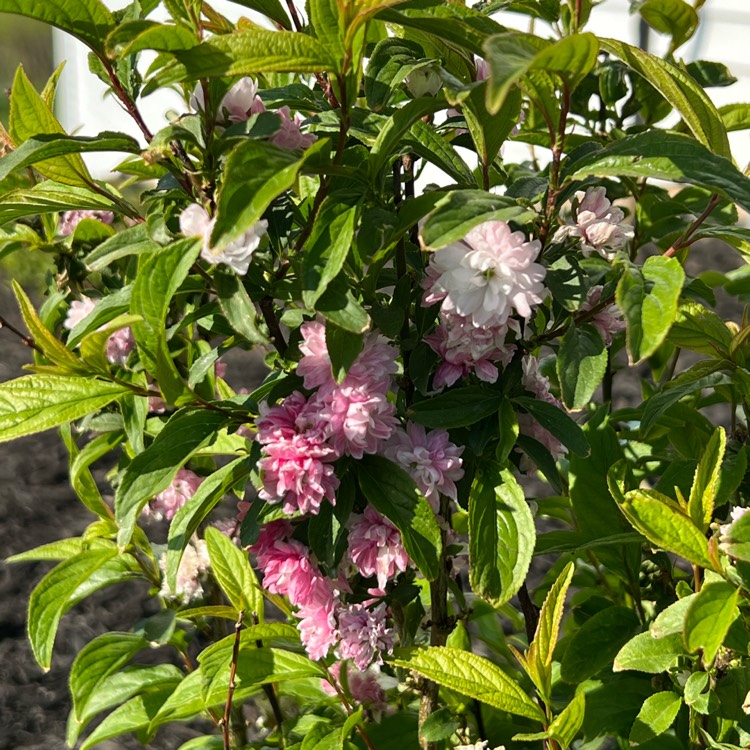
358	631
608	321
195	561
363	686
167	503
119	344
71	219
479	283
598	224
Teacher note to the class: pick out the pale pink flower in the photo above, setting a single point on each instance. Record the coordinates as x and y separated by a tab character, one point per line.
293	416
598	224
71	219
291	136
466	348
359	418
432	461
376	547
364	635
608	320
535	382
483	69
194	563
169	501
315	365
487	275
241	102
119	344
270	536
195	222
317	626
156	405
364	687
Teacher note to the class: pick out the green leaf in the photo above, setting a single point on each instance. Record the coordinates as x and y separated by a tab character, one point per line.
190	516
46	146
97	660
656	716
53	349
556	421
425	142
470	675
159	276
34	403
327	249
664	524
511	56
706	480
328	23
339	306
237	306
131	241
270	8
461	210
458	408
680	90
322	737
343	348
52	598
138	35
390	62
648	299
659	155
150	472
697	378
388	142
489	132
231	568
673	17
539	654
256	172
87	20
392	492
60	550
700	330
596	643
565	725
30	116
708	618
439	725
644	653
252	50
672	619
501	535
49	198
581	364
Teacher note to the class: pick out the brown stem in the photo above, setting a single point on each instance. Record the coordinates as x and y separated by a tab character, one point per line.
530	612
685	240
26	340
269	315
225	721
348	708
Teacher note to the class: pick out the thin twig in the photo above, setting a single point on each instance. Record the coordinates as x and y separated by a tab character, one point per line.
26	340
685	240
232	682
269	315
348	708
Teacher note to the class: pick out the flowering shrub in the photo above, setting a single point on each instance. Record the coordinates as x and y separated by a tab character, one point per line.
446	333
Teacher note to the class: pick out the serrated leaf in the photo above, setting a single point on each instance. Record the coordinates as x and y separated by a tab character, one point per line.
539	653
581	364
87	20
596	643
34	403
470	675
644	653
255	173
648	298
674	17
159	276
190	516
231	568
237	306
501	535
392	492
150	472
461	210
708	618
700	330
49	197
672	619
680	90
511	56
141	34
30	116
659	519
656	716
706	481
425	142
52	598
60	550
567	723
